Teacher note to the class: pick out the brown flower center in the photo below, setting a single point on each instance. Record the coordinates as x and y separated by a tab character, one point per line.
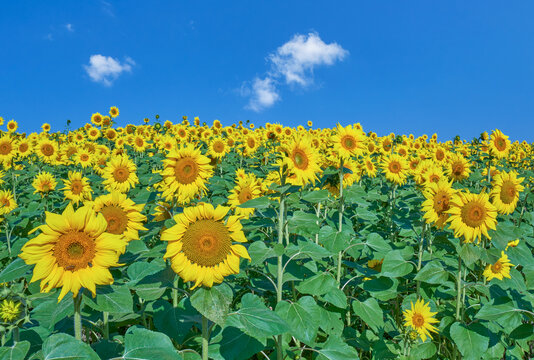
508	192
473	214
74	250
121	174
300	159
206	242
116	218
418	320
186	170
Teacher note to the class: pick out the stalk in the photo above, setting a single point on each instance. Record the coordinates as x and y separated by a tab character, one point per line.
420	256
340	224
175	292
78	316
279	280
205	338
459	289
105	316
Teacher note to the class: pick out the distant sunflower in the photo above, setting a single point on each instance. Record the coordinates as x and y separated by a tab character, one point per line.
44	183
97	119
47	150
349	141
185	174
7	202
458	168
471	216
301	161
500	269
218	148
122	215
505	191
395	167
45	127
12	126
84	158
369	167
420	319
200	244
242	192
437	203
73	250
23	147
77	188
120	174
114	112
499	144
7	150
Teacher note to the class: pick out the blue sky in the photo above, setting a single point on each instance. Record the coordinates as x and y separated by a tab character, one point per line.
418	67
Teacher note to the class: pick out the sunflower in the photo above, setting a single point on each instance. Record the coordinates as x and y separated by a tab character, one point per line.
97	119
349	141
499	144
433	174
93	134
395	168
505	191
185	174
458	168
245	190
438	197
44	183
7	202
47	150
218	148
301	161
23	147
12	126
139	143
369	167
77	188
84	158
200	244
7	150
119	174
250	144
73	250
114	112
122	215
420	319
45	127
10	310
500	269
471	216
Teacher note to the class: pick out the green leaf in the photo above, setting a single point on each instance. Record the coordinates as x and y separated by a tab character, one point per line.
175	322
15	270
335	349
143	344
336	297
257	203
66	347
303	223
318	284
377	243
213	303
333	240
254	319
232	343
114	299
395	266
16	352
49	312
370	312
302	318
139	270
432	273
472	341
259	252
315	196
469	253
423	351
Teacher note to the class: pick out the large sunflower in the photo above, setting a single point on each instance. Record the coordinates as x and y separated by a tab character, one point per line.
437	203
120	174
499	144
122	215
301	161
471	216
185	174
500	269
396	168
419	318
200	244
73	250
349	141
505	191
77	188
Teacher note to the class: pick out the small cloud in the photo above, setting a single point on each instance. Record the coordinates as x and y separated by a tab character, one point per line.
294	61
105	69
107	8
69	27
262	95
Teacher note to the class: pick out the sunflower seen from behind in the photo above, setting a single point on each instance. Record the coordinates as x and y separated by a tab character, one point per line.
419	318
73	250
201	245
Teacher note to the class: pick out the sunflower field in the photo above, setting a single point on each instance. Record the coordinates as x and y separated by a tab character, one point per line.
195	241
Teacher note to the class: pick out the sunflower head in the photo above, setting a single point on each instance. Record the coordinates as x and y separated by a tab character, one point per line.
419	318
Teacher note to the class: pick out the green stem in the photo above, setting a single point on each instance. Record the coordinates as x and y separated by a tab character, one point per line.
175	292
78	316
205	338
340	222
280	273
16	335
105	316
420	256
459	290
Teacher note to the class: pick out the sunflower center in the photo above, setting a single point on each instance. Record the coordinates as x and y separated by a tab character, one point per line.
47	150
5	148
76	187
186	170
116	218
218	146
300	159
206	242
440	155
5	201
441	202
45	186
84	157
457	169
473	214
245	195
508	192
496	268
348	142
139	142
121	174
251	143
434	178
74	250
23	147
394	167
500	144
418	320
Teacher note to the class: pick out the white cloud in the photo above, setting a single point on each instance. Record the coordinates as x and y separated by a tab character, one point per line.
105	69
69	27
263	94
294	61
